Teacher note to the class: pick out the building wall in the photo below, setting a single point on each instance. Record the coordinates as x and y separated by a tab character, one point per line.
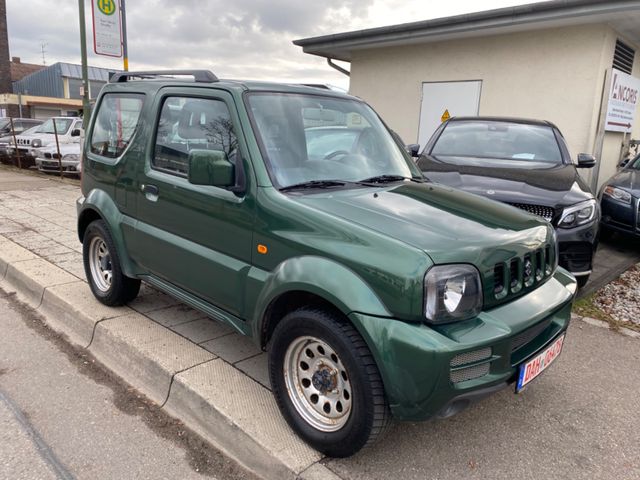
555	74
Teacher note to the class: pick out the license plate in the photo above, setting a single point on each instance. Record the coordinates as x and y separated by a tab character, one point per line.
538	364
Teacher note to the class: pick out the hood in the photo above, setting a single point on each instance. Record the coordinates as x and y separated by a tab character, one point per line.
449	225
555	187
629	179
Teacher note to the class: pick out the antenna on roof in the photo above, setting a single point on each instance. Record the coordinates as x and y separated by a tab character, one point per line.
43	44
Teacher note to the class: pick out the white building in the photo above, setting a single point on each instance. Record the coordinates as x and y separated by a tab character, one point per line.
549	60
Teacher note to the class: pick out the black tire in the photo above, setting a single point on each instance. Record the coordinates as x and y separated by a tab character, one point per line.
369	412
121	289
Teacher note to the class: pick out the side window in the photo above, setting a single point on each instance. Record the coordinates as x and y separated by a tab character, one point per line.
188	124
115	123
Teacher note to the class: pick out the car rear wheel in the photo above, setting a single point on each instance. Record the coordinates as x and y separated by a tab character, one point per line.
326	382
102	267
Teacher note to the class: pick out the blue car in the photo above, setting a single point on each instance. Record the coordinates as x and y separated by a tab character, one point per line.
620	200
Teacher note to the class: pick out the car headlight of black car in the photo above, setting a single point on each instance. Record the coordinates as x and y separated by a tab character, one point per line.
452	293
617	194
578	214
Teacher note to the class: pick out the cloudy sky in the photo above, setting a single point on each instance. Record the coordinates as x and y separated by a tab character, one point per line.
248	39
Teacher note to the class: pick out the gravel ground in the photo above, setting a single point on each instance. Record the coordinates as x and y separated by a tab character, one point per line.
621	298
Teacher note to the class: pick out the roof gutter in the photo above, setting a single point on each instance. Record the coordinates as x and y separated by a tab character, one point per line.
339	46
338	67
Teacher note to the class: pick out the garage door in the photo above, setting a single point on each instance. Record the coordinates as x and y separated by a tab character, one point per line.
441	100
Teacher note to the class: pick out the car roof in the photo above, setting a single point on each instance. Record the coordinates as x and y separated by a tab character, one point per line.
523	121
156	80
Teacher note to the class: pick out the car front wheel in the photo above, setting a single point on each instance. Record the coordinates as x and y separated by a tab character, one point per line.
326	382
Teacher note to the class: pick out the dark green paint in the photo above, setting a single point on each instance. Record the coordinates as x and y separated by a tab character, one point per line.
364	250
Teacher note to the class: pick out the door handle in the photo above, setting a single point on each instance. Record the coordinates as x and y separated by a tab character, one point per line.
151	189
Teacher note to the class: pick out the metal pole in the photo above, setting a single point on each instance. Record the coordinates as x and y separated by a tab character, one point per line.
86	107
125	49
15	143
55	132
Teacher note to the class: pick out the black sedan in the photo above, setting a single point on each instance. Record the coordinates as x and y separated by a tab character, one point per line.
525	163
620	200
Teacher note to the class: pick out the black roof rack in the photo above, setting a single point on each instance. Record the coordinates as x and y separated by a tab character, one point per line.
200	76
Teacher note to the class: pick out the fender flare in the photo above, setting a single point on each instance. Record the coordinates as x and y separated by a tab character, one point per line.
323	277
100	202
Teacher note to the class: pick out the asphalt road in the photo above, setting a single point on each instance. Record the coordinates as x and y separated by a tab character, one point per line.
62	416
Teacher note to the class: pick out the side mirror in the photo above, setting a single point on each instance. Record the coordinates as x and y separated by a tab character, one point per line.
75	132
586	160
413	149
211	167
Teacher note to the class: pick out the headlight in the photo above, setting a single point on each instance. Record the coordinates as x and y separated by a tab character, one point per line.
578	214
452	293
70	157
617	194
36	143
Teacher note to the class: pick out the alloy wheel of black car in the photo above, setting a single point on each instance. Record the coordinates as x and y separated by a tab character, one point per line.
102	267
326	382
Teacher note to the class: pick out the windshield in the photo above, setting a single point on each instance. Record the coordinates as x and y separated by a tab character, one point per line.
499	144
308	138
5	124
62	125
635	163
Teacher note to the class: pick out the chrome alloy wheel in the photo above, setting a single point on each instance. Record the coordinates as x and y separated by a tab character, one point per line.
100	263
318	384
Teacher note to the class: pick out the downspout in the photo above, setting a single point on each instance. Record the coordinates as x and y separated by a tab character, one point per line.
338	67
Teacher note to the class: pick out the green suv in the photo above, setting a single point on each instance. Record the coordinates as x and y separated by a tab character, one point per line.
291	214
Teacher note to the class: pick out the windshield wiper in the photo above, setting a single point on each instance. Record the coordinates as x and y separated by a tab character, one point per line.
314	184
389	179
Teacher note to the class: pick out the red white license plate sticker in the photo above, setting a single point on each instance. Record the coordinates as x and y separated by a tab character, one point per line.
538	364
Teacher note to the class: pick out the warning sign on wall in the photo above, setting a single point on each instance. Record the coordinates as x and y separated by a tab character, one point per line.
445	116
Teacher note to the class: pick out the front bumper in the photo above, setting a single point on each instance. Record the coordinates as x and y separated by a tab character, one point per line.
420	365
52	165
577	246
623	217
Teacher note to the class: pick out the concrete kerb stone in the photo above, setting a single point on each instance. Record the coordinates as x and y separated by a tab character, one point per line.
145	354
72	309
241	417
31	277
12	252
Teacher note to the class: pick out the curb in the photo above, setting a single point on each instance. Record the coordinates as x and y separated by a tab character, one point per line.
227	408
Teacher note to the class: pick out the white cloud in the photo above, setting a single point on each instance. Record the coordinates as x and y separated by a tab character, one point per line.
248	39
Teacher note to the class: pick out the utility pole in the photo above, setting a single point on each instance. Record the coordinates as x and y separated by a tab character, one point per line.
125	50
86	107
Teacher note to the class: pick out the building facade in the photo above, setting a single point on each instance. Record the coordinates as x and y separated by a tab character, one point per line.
552	61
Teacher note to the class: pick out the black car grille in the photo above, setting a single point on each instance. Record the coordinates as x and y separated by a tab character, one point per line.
51	155
638	215
522	340
523	272
540	210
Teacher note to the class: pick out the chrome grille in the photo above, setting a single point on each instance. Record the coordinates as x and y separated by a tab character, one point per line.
464	374
513	275
540	210
471	357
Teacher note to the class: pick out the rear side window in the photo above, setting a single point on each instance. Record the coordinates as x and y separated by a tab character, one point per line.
188	124
115	123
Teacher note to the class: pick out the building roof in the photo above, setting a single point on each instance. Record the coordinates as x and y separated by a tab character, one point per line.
623	15
20	70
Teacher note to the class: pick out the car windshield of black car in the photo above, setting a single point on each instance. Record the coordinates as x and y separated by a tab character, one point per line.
499	144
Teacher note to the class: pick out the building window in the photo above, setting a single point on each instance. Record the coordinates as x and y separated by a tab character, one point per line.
623	57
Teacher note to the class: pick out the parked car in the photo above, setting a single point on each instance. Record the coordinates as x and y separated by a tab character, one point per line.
47	158
7	146
374	292
524	163
19	125
620	200
68	128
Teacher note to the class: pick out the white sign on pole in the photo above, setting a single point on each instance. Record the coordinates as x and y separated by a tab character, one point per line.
107	31
624	98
